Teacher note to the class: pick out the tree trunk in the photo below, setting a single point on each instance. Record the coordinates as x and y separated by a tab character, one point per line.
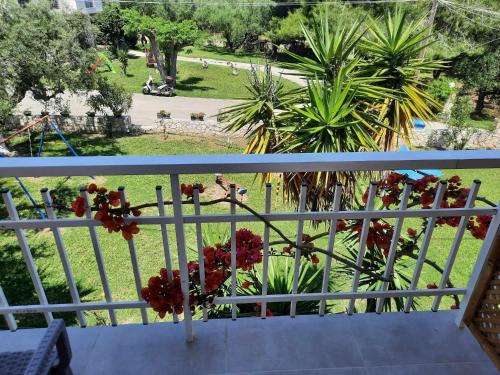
480	101
160	63
173	63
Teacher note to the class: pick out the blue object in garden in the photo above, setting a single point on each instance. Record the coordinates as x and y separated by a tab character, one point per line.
32	200
28	195
418	123
42	138
53	125
416	174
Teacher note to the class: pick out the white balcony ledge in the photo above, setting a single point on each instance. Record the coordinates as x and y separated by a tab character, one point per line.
390	343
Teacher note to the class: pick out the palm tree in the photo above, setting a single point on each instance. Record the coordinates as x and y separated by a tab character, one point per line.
362	95
393	54
332	120
262	113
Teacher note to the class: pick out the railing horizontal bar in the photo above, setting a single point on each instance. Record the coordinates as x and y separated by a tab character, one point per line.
199	164
337	296
88	306
91	306
281	216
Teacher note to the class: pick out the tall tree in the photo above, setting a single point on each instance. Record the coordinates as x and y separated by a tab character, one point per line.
44	52
165	37
239	22
110	23
479	72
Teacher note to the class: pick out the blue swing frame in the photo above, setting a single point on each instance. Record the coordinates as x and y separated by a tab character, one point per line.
52	124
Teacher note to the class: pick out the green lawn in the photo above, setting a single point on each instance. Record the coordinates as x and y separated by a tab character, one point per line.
219	53
192	80
482	124
239	56
14	277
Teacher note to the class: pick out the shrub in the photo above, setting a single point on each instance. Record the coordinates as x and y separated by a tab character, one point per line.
163	114
441	89
123	58
280	281
200	116
459	128
110	97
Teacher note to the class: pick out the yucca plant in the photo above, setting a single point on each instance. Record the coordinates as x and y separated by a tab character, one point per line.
331	121
393	55
260	114
332	50
280	281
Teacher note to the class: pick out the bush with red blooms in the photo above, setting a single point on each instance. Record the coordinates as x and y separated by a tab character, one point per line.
423	194
187	189
165	296
109	211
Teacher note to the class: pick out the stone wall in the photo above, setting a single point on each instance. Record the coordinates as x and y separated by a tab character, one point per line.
432	136
80	124
435	136
193	128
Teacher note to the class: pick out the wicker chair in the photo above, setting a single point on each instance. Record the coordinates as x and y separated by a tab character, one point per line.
52	356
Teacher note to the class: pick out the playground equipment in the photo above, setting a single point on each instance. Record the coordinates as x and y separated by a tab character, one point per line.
48	124
162	89
417	174
102	59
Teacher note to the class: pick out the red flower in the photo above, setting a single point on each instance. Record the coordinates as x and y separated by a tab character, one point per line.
245	284
136	212
92	188
269	312
114	198
387	200
78	206
341	225
454	179
426	200
128	230
432	286
412	232
365	197
314	259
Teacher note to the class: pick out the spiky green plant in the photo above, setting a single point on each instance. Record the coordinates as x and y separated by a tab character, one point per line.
280	281
393	55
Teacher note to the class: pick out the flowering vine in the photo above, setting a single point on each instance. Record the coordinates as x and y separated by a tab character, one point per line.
164	293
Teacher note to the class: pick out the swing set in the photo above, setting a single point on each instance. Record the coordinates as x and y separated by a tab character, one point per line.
47	124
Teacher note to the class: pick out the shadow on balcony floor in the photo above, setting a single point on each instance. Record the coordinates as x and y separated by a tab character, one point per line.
392	343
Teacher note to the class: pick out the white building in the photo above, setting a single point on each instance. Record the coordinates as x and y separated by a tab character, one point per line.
85	6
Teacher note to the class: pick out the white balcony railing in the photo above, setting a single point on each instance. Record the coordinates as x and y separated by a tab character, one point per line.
174	166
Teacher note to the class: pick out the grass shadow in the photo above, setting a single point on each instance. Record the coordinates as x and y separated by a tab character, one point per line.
84	145
19	290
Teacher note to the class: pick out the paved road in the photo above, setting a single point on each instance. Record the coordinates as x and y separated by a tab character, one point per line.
277	71
145	107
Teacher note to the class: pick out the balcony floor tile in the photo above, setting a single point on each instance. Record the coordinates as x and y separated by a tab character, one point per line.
363	344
